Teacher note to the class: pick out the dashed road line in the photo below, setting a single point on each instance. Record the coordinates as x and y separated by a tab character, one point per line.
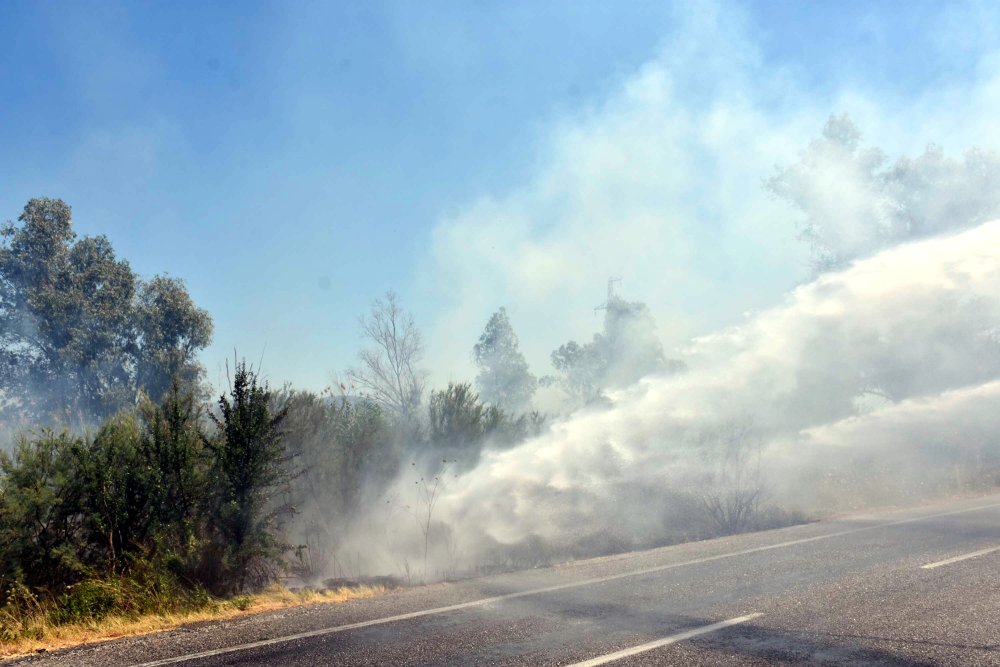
955	559
672	639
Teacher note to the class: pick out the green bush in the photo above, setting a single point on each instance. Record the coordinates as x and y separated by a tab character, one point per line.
145	515
89	600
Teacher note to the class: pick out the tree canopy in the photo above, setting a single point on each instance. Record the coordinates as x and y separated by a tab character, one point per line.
504	379
855	202
626	350
81	335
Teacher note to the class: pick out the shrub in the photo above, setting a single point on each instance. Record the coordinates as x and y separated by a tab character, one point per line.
250	468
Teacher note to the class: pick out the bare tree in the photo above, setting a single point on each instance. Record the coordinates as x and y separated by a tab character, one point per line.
388	372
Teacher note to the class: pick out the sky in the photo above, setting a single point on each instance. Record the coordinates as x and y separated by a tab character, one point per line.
292	161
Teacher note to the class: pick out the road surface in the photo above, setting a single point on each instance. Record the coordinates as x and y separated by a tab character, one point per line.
912	587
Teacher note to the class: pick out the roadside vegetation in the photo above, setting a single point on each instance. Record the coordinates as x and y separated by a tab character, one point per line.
129	493
134	496
46	628
129	497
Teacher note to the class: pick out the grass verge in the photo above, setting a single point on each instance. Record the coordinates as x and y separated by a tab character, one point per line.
38	631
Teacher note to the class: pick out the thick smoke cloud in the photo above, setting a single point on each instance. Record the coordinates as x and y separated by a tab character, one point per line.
875	380
871	382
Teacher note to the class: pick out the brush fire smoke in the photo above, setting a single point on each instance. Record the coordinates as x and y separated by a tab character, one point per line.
872	384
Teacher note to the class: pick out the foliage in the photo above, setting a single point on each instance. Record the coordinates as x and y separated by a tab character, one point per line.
504	379
80	334
174	451
854	202
117	491
143	502
251	468
39	517
626	350
348	452
460	422
172	330
351	445
142	486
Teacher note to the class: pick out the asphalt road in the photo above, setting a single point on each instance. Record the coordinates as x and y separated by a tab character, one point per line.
853	591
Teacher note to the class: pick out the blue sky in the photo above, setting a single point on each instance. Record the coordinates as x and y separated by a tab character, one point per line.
291	161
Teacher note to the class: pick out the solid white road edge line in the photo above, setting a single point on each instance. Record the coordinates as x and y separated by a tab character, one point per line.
949	561
548	589
672	639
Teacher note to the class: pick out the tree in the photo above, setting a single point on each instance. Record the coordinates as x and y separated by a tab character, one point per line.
171	330
80	334
855	203
173	445
388	373
625	351
503	379
118	489
251	468
141	483
580	369
348	454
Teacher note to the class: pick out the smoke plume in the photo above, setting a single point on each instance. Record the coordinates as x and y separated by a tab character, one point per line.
865	385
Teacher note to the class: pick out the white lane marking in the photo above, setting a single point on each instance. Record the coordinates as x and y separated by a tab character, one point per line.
949	561
672	639
548	589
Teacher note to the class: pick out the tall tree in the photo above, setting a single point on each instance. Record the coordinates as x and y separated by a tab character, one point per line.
630	347
504	379
171	331
855	202
389	372
626	350
80	334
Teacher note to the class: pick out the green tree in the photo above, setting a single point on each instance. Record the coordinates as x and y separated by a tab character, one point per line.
348	453
80	334
252	467
504	379
128	501
171	330
626	350
344	448
118	489
173	446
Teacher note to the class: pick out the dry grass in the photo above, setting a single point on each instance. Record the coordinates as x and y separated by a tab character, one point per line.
45	636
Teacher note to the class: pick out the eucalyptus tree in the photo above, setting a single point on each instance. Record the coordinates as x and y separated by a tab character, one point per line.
81	335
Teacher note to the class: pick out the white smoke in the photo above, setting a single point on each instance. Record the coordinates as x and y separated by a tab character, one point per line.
659	182
885	372
865	385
